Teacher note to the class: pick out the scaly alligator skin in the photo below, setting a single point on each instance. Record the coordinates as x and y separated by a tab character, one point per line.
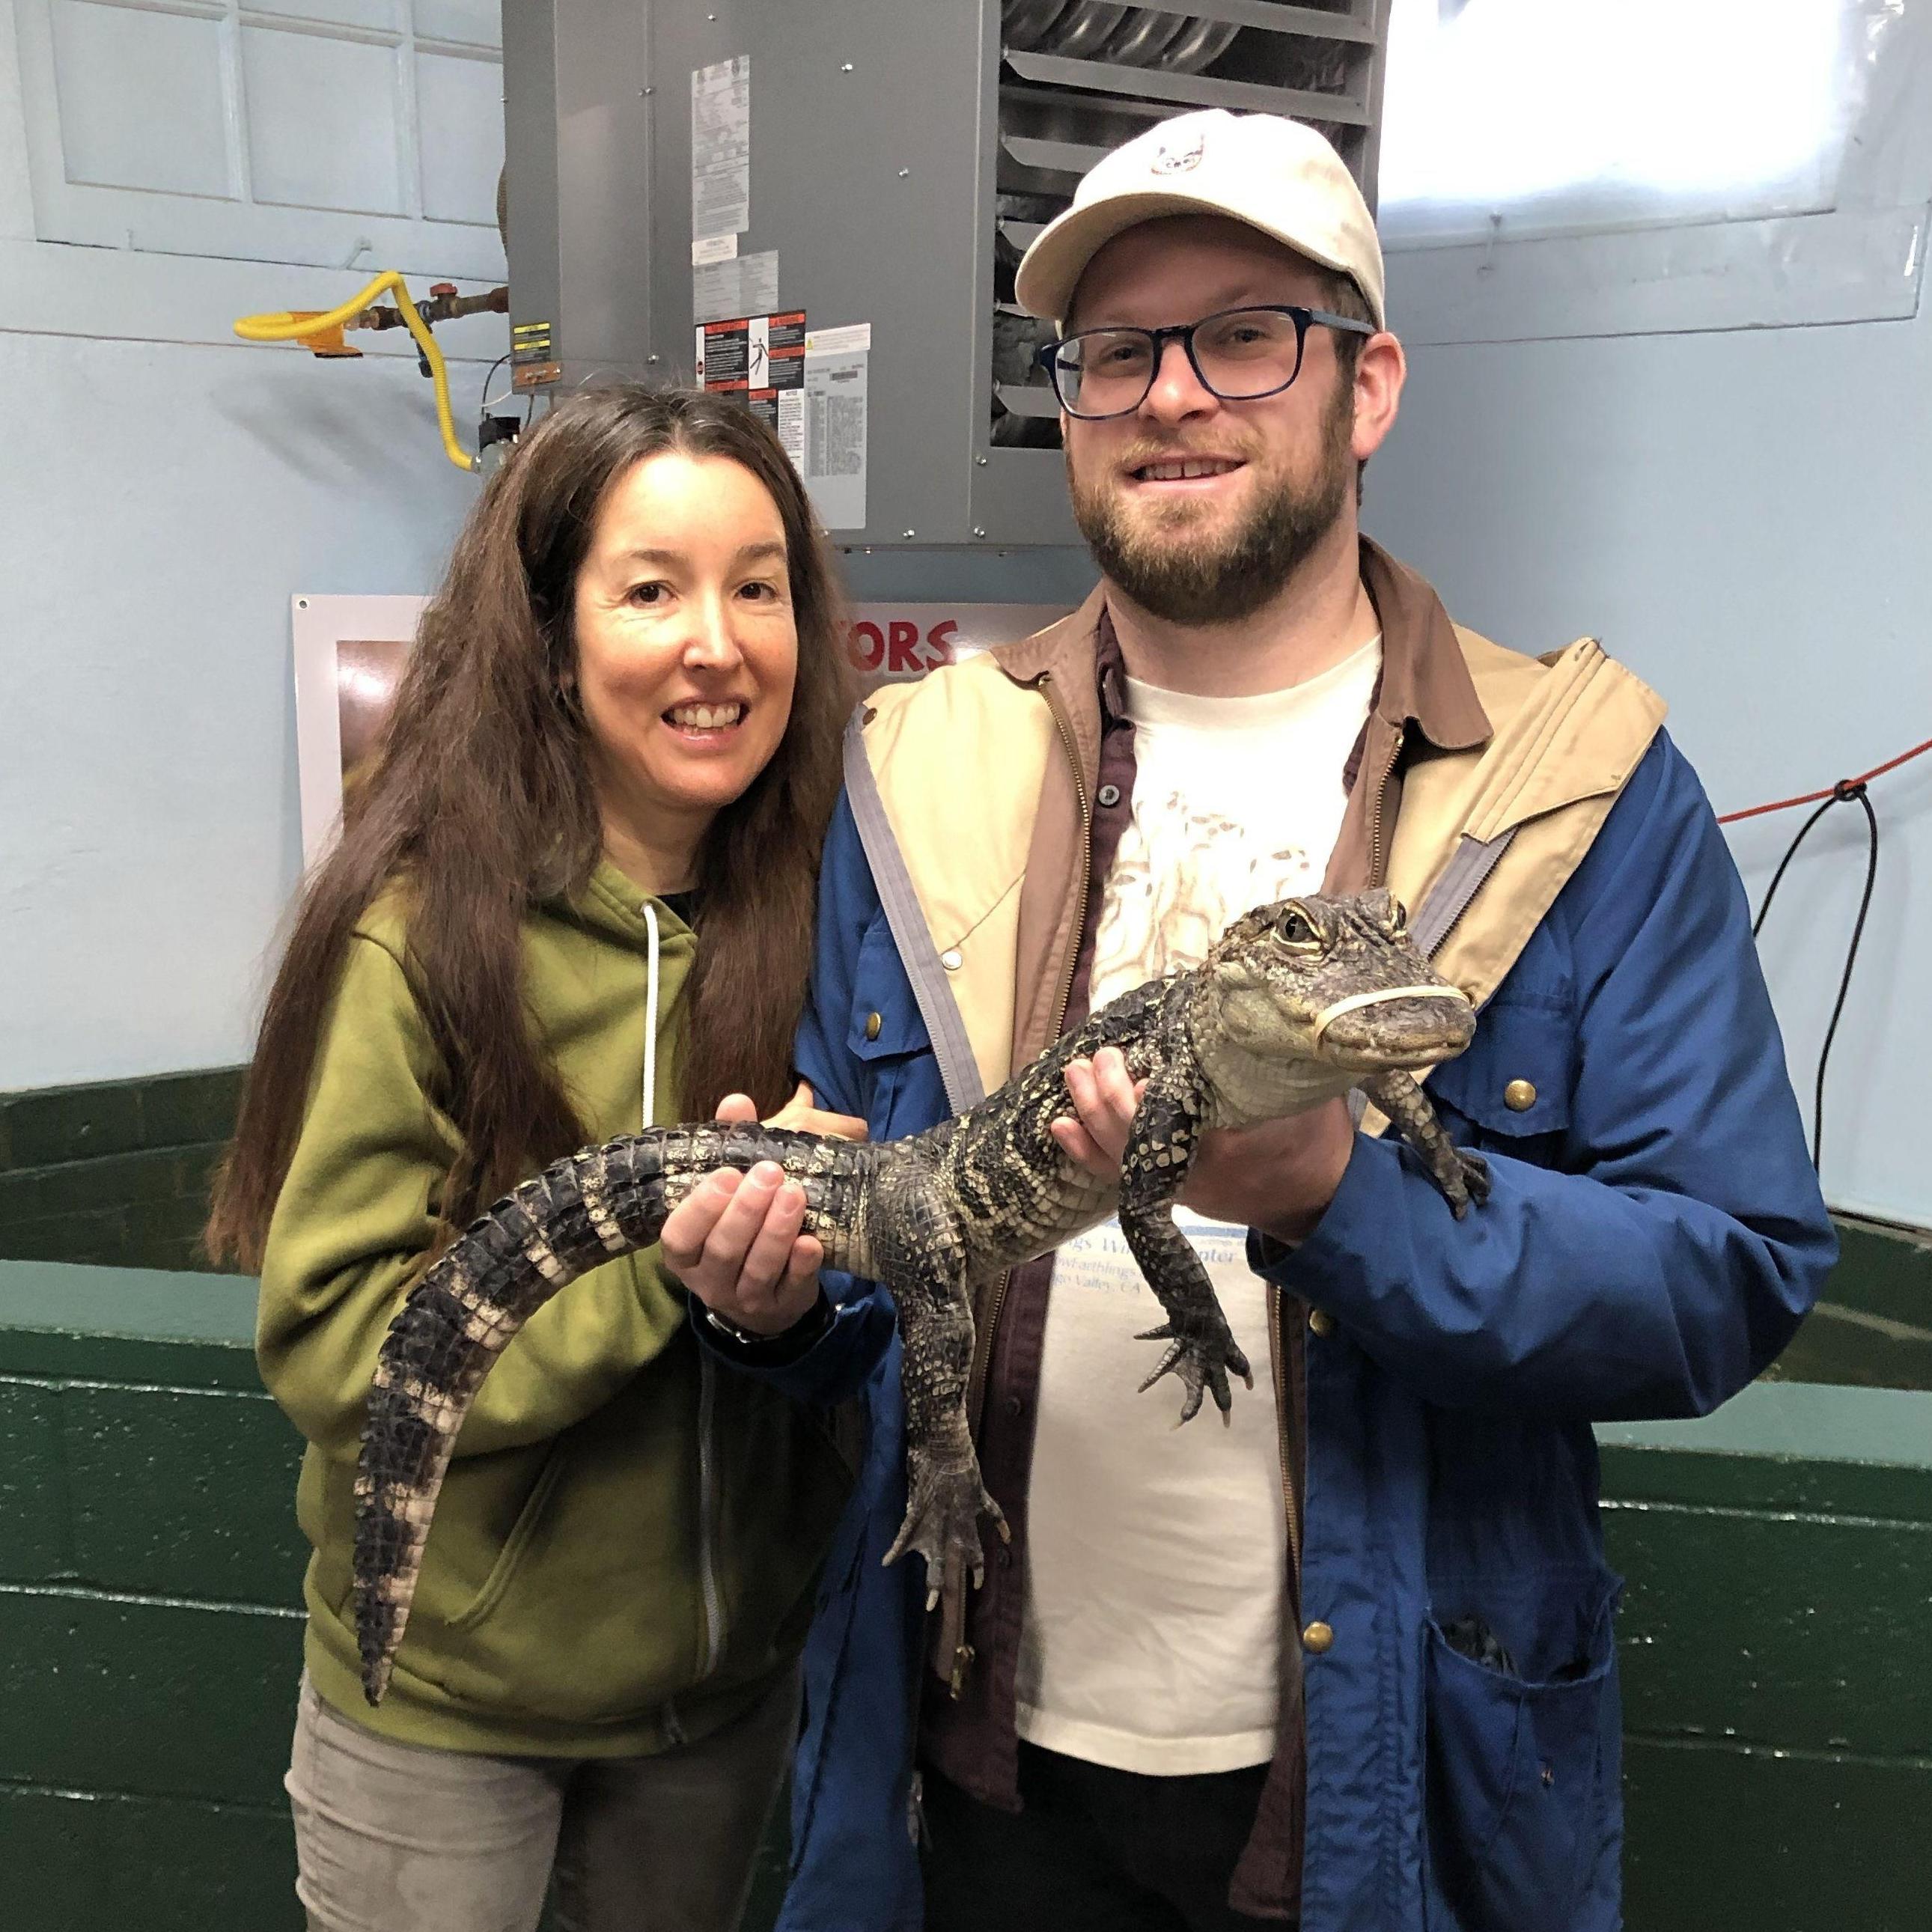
1297	1003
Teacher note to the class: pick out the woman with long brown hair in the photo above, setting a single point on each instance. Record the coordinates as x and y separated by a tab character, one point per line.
573	894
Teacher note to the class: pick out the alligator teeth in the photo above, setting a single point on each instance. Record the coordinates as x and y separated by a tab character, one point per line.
705	717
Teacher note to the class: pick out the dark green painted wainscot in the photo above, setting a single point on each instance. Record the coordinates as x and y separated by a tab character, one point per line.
115	1171
150	1582
150	1619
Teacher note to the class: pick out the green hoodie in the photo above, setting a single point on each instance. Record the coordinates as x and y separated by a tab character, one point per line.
626	1546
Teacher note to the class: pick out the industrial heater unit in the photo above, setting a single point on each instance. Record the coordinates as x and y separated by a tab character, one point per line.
876	167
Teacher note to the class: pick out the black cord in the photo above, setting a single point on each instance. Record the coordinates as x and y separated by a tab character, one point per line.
483	416
1851	959
490	378
1842	793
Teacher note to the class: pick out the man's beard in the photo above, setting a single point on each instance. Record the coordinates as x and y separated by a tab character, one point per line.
1183	578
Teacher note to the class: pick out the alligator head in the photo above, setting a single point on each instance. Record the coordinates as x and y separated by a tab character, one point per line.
1307	997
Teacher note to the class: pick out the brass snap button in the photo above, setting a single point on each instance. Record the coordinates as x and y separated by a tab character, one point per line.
1520	1096
1321	1321
1317	1638
872	1024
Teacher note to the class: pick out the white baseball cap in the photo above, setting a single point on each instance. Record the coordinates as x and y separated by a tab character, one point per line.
1276	175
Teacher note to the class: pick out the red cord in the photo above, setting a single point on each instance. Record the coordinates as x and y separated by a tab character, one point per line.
1843	788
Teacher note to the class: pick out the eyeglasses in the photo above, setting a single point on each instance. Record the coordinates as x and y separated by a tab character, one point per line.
1239	354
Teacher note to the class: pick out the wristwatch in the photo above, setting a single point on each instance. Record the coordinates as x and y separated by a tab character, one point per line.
786	1345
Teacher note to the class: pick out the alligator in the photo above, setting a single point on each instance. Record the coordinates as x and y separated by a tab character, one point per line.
1297	1003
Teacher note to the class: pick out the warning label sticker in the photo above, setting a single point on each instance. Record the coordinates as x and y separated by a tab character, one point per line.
760	359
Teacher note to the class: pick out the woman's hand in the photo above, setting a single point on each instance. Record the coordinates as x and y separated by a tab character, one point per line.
801	1111
734	1241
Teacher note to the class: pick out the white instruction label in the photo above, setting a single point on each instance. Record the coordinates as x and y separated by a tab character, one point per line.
720	147
836	365
713	248
790	425
747	285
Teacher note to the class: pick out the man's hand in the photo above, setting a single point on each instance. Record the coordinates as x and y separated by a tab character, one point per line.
734	1240
1278	1176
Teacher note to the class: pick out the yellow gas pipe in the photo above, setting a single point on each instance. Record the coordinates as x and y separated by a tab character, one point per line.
298	325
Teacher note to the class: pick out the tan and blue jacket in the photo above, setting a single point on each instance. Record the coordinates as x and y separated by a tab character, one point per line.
1654	1235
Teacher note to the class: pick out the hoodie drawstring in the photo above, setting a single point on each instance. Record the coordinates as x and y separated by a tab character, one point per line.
650	912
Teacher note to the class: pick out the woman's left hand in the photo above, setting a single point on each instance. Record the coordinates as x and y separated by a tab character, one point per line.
802	1112
735	1241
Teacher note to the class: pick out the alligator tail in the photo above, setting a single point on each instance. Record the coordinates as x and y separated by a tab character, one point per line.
583	1211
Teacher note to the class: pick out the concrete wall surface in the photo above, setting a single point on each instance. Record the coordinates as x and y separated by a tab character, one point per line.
1740	516
167	489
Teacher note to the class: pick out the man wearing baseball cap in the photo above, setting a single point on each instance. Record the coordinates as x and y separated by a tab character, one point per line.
1346	1662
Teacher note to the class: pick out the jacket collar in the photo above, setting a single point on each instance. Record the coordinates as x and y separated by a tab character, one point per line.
1424	681
1064	649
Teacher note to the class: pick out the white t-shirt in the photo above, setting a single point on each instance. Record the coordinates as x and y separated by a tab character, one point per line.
1155	1555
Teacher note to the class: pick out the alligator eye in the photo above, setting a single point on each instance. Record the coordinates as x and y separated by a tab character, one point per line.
1398	919
1296	931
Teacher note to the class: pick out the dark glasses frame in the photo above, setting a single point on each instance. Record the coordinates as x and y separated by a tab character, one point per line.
1048	354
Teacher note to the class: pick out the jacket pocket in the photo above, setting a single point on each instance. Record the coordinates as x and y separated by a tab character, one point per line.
885	1033
1512	1083
516	1545
1514	1775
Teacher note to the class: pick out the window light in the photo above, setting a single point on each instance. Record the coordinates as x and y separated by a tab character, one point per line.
1512	117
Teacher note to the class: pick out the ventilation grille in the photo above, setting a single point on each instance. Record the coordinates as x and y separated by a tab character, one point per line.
1078	77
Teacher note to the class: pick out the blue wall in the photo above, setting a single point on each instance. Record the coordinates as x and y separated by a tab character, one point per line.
165	490
1743	518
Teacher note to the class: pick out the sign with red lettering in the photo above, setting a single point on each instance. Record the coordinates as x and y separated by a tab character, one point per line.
891	641
350	650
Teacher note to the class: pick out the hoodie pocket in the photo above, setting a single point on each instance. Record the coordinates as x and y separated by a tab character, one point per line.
516	1545
1514	1775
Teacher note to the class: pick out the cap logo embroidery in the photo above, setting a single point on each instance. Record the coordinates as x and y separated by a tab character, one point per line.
1176	157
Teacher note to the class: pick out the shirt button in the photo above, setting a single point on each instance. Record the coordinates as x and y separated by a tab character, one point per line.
1317	1638
950	959
872	1024
1519	1096
1321	1321
1109	794
1015	1405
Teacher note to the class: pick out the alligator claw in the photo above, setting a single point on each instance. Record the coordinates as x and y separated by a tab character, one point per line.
1471	1184
942	1523
1203	1362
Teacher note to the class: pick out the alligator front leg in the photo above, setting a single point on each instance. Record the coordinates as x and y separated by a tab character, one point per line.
1161	1144
1463	1177
923	1261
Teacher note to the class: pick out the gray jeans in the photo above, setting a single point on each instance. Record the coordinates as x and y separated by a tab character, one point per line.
390	1838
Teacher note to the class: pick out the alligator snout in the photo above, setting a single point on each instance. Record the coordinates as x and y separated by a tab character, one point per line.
1404	1027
